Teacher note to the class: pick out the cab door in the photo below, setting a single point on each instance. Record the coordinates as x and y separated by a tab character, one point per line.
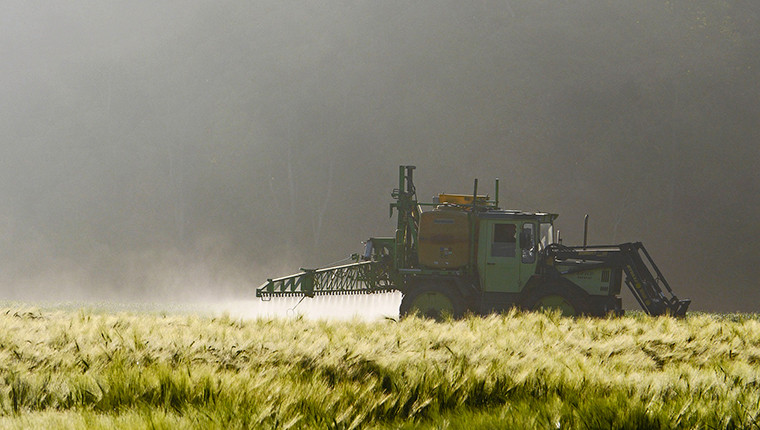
499	268
506	254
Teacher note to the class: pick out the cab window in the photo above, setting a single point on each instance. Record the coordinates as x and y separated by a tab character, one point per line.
528	244
504	241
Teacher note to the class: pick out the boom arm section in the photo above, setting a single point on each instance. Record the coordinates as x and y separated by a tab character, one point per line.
643	277
364	277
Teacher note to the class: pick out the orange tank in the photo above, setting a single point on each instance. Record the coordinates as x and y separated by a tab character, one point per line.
444	239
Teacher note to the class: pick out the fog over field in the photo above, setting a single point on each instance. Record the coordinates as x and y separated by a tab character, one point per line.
181	151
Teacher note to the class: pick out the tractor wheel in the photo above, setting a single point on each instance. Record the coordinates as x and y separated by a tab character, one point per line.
556	297
432	300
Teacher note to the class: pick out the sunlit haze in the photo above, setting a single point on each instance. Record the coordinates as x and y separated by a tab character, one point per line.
184	152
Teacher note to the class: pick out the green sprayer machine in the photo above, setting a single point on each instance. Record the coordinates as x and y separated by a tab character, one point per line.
463	254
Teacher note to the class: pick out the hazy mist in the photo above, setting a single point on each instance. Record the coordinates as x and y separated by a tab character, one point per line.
183	150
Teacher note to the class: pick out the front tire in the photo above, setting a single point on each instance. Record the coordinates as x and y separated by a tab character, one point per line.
554	297
433	300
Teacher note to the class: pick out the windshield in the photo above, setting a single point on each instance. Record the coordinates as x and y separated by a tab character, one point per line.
547	235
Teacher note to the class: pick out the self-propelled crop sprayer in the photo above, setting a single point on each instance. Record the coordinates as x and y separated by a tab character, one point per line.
465	254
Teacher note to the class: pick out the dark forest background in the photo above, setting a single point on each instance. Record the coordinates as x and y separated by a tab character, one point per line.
178	151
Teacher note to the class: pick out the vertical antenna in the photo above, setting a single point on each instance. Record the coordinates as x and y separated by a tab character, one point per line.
585	231
497	192
471	216
475	193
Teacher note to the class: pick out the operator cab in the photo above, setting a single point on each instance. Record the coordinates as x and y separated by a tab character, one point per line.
508	246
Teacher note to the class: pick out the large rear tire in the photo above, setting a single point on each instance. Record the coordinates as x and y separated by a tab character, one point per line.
552	297
433	300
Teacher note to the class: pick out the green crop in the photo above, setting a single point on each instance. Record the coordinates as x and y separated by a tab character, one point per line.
95	369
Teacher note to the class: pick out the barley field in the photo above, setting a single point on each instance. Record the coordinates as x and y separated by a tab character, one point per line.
89	368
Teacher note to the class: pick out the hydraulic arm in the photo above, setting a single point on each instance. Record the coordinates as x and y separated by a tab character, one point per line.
643	277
